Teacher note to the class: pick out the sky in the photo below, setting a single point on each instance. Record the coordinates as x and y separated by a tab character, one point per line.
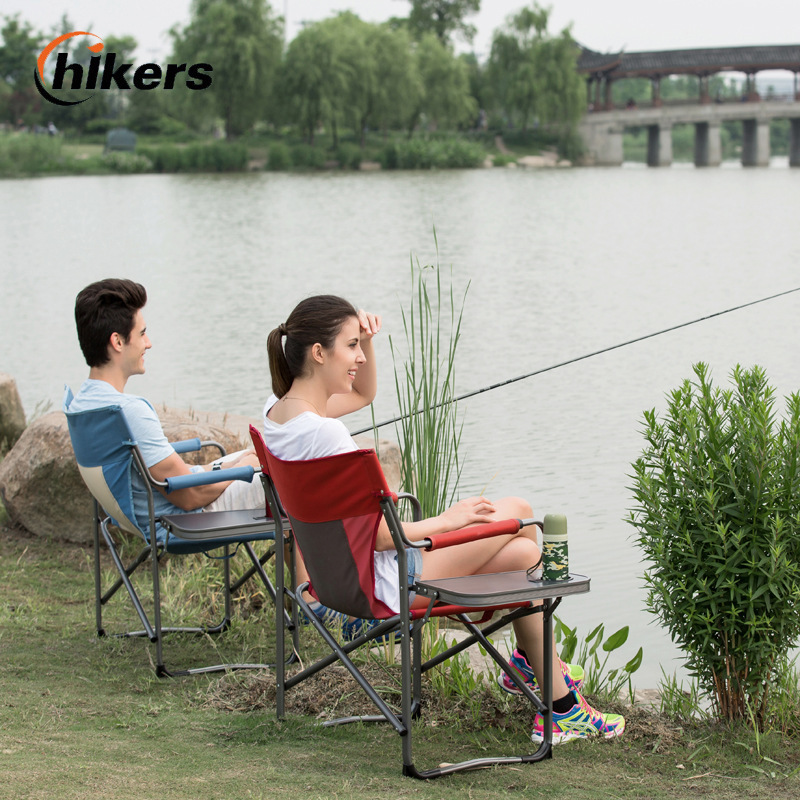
602	25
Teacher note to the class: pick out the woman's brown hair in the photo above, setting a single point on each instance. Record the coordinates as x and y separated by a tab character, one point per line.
317	319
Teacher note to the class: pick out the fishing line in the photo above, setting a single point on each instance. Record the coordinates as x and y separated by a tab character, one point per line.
579	358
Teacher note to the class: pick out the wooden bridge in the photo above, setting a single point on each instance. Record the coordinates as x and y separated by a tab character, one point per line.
603	127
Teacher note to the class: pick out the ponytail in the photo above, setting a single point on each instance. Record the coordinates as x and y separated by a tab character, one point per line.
278	366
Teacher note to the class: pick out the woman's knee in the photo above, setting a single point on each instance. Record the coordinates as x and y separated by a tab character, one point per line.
514	508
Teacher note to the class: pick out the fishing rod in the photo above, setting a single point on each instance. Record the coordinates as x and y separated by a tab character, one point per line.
578	358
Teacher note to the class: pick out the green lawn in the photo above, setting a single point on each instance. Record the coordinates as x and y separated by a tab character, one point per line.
87	718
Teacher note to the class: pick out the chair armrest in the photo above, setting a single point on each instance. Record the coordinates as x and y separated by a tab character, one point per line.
193	445
416	506
473	533
209	476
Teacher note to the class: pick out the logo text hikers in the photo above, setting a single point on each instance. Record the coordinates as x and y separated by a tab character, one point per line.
104	72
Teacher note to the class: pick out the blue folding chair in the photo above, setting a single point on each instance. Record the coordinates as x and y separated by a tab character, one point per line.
107	455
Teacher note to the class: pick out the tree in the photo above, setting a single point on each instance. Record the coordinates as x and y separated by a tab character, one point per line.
242	41
446	100
314	78
443	17
534	75
343	70
18	53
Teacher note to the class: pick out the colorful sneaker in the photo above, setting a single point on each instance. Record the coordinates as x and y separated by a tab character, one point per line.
580	722
573	675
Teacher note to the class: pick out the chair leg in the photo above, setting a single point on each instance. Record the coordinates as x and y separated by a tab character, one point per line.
98	590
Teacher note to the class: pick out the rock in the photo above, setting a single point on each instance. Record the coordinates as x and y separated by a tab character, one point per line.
43	492
12	415
533	161
369	166
40	485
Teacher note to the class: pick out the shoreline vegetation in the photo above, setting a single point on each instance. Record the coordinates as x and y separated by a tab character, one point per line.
32	155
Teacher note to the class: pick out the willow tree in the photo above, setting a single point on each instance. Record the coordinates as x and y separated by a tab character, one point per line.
242	40
533	74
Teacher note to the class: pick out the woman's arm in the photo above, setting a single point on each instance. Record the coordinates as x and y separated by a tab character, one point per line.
365	385
470	511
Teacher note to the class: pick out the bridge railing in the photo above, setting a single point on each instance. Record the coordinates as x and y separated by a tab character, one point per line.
770	97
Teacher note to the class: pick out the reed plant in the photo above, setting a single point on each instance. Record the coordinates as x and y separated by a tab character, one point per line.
429	429
717	516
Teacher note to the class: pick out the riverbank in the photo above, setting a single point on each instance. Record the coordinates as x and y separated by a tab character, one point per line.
83	717
28	154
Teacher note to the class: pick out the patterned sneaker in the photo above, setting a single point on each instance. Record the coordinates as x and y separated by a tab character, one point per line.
573	675
580	722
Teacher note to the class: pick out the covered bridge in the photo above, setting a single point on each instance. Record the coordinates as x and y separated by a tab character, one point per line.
602	69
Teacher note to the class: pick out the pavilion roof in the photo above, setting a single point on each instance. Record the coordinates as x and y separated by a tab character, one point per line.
701	61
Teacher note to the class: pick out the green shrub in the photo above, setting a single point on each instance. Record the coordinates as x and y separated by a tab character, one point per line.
389	157
717	516
197	157
305	155
438	153
349	155
30	154
500	160
280	158
127	163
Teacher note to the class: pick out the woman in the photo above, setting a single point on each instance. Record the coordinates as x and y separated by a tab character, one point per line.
323	367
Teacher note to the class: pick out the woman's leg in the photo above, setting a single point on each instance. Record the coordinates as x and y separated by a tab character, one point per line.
501	554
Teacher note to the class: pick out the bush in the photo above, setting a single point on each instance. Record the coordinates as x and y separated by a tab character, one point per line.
349	155
214	157
279	157
30	154
718	518
127	163
305	155
436	153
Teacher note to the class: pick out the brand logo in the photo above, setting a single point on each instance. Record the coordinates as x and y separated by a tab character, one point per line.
109	74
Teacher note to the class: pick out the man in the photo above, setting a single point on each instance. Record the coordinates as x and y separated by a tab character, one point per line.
114	341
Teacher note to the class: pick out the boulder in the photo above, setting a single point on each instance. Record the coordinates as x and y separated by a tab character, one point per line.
42	490
12	415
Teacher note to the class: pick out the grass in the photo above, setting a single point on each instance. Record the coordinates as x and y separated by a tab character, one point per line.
85	718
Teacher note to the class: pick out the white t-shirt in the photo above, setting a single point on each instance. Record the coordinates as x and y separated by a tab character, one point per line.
309	435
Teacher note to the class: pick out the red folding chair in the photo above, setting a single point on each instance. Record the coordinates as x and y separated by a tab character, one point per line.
335	506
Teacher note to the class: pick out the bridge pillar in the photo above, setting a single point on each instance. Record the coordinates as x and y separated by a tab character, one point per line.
603	142
755	143
794	143
659	145
707	144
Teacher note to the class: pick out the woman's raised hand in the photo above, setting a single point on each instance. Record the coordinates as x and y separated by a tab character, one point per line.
469	511
370	323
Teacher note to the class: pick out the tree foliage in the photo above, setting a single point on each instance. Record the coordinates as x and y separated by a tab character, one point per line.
18	52
533	74
444	18
243	42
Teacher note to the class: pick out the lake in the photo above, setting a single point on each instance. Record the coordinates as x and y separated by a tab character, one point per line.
559	263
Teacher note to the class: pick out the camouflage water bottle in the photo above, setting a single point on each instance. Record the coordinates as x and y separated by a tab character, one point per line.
555	553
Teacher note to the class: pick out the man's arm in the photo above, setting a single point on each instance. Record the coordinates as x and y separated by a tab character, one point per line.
195	497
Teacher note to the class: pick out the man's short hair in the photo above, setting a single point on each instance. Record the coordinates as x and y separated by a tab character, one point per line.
103	308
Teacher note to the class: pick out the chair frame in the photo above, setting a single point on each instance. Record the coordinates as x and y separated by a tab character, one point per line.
193	532
512	594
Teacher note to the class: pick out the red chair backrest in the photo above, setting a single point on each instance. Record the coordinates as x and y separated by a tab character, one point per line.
333	504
